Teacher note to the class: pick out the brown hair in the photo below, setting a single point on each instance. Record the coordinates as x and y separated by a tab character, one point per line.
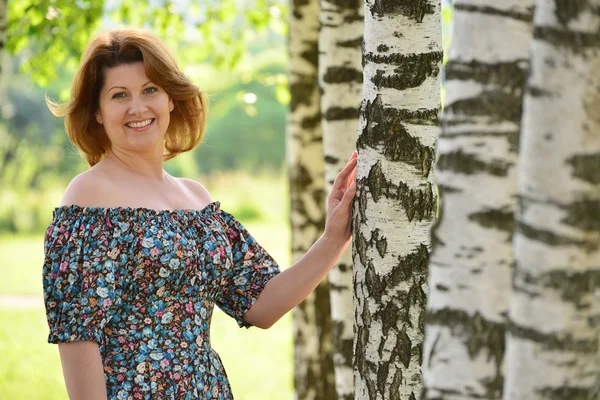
126	46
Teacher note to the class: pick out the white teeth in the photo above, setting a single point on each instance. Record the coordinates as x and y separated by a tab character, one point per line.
139	124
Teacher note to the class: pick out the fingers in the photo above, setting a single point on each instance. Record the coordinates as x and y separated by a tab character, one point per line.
349	195
345	173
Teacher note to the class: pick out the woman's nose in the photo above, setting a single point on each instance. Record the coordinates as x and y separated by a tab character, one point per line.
137	107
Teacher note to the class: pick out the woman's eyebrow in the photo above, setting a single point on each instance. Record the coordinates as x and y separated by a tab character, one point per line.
123	87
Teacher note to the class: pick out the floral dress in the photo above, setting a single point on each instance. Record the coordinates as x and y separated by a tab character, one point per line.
142	284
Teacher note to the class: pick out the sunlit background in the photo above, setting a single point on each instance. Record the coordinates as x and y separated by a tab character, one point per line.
235	50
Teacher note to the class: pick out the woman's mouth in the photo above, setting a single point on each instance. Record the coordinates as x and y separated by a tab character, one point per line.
140	125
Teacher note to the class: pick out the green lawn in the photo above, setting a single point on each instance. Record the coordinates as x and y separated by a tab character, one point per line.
259	363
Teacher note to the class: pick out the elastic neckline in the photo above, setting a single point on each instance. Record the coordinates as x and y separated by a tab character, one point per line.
75	208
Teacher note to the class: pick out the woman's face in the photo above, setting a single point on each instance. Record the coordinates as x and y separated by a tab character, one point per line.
133	110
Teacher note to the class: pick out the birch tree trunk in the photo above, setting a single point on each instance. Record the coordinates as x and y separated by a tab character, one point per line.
340	82
552	345
476	172
395	204
313	349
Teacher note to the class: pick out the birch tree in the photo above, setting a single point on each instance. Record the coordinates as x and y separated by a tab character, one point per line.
313	360
553	341
476	171
340	82
395	205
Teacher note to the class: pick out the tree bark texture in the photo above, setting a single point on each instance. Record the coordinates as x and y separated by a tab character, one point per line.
395	204
476	174
553	339
340	82
313	349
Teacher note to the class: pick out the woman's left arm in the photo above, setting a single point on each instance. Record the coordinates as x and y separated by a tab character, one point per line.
288	289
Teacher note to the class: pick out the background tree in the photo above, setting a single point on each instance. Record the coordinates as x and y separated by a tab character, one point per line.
552	347
313	348
476	170
340	82
395	204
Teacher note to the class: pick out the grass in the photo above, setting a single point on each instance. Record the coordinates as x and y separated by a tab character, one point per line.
259	363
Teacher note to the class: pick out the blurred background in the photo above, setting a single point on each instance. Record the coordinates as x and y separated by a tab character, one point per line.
235	50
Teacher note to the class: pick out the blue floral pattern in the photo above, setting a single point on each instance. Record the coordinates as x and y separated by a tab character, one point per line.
142	284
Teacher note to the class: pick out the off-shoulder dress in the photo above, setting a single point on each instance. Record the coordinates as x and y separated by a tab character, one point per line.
142	284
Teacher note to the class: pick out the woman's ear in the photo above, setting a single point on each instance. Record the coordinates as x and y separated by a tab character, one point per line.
98	117
171	104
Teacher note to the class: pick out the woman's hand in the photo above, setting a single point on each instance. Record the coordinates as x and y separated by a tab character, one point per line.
338	227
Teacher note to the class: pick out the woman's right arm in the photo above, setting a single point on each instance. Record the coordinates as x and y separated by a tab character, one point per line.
82	370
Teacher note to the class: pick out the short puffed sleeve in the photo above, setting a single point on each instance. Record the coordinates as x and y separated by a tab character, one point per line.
252	269
80	258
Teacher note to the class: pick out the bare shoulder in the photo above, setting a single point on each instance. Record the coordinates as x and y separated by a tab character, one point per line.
88	189
200	194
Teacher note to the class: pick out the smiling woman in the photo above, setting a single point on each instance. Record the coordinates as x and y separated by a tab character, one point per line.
136	259
102	85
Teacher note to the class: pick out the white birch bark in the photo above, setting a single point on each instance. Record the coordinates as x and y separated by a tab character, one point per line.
395	204
313	359
476	171
340	81
552	345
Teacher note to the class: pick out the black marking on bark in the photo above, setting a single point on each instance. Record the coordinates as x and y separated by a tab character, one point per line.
338	113
342	75
535	91
417	203
385	128
567	10
497	105
376	181
554	341
526	17
465	163
301	93
501	219
448	189
480	335
344	267
565	38
345	4
311	54
412	69
586	167
442	288
351	43
382	48
407	8
329	159
583	214
361	244
511	136
403	343
297	5
547	237
380	244
343	345
573	286
506	74
311	122
567	392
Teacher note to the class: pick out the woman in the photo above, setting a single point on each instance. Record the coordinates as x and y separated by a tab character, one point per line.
136	259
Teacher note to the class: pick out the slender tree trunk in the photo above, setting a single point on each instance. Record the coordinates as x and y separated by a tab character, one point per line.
313	349
340	81
395	204
476	171
553	342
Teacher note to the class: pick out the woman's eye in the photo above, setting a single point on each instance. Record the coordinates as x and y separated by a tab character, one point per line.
151	89
119	95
